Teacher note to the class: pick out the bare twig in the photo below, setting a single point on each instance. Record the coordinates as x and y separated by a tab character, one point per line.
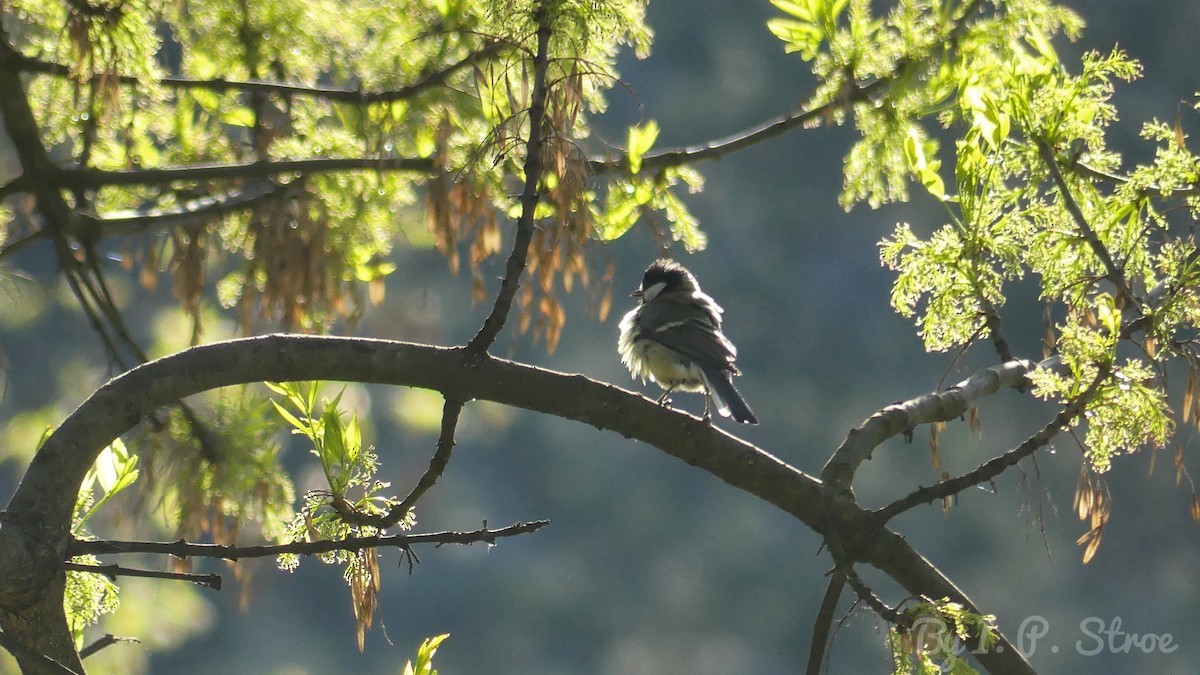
212	581
24	241
873	601
441	457
655	162
183	549
193	212
445	445
991	319
824	622
95	178
340	94
107	640
530	195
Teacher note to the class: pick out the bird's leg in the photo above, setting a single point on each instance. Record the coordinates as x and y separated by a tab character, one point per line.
665	398
707	414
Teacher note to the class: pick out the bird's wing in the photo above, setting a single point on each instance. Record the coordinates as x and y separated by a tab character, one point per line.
692	330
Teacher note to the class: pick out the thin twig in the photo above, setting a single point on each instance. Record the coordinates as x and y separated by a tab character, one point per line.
219	84
107	640
824	622
1112	271
877	605
530	195
183	549
95	178
212	581
655	162
445	445
193	212
24	241
441	457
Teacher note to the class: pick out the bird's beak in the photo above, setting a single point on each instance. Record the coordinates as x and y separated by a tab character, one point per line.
636	294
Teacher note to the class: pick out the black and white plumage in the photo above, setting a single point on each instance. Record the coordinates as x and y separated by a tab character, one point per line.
673	338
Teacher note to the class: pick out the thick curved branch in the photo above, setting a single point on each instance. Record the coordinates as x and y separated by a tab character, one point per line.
36	523
25	655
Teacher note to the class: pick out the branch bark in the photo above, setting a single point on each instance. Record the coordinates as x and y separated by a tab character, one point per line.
36	525
530	194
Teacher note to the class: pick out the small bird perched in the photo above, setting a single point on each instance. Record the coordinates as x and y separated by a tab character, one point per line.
673	337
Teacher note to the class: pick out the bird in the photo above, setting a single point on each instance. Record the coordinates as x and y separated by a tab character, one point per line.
673	338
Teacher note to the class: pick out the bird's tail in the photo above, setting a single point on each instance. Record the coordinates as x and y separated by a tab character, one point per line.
729	401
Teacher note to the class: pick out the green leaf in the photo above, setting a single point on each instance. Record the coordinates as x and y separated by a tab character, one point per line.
915	148
114	470
641	139
303	427
425	653
239	116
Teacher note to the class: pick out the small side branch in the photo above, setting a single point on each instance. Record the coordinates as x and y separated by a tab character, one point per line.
441	457
212	581
991	319
339	94
107	640
182	549
194	212
867	596
1112	271
97	178
824	622
445	446
530	195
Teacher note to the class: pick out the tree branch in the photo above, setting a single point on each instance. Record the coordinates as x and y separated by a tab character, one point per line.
1112	271
212	581
437	464
97	178
434	78
654	162
46	493
997	465
445	445
824	622
183	549
194	212
530	195
107	640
